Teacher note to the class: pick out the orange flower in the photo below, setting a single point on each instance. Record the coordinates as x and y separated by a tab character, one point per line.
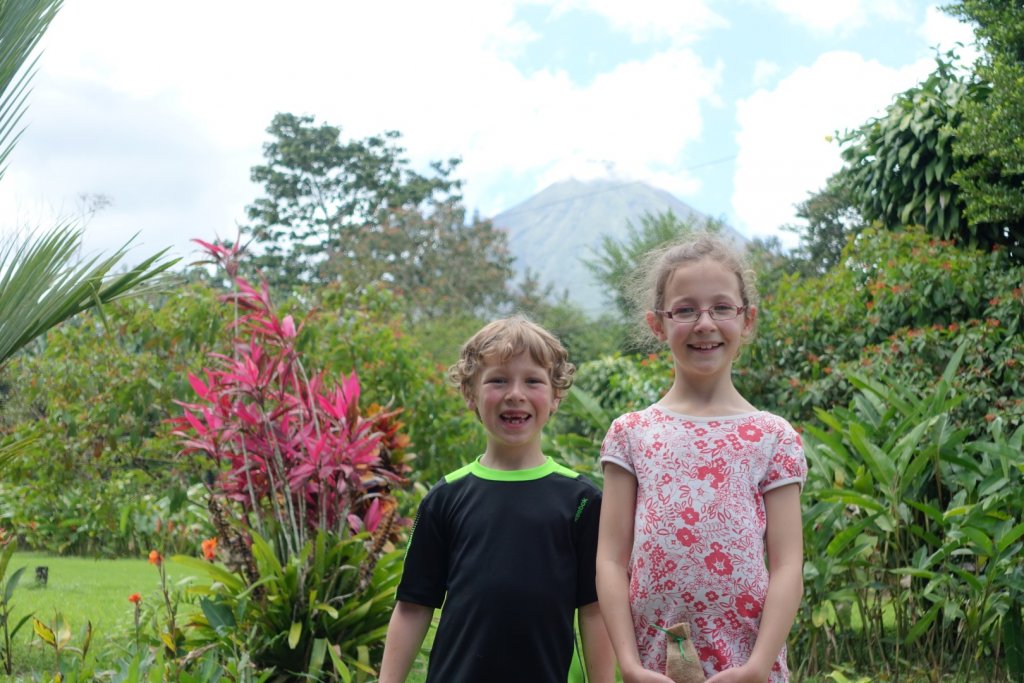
155	558
135	598
210	549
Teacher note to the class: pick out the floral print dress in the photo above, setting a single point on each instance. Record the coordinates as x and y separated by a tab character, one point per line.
698	535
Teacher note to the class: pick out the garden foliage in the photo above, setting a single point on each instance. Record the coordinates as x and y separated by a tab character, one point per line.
301	500
913	536
94	401
902	303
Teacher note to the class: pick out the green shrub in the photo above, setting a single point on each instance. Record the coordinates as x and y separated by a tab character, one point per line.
913	536
900	302
95	400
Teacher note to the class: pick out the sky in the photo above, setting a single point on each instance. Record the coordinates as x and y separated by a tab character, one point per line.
159	110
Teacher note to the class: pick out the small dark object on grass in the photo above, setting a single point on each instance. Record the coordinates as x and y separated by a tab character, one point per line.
42	575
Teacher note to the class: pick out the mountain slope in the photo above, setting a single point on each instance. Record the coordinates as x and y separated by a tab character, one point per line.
551	232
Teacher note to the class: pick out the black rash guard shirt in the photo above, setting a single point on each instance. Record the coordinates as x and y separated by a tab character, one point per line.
510	556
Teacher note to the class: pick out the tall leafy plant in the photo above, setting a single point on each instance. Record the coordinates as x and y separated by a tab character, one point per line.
291	448
913	531
303	472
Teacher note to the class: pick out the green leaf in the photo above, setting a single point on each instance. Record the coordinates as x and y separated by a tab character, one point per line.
316	657
923	624
931	511
210	570
1010	537
970	579
877	460
823	613
339	666
42	285
12	583
1013	639
852	498
294	633
324	607
841	541
958	511
218	615
5	557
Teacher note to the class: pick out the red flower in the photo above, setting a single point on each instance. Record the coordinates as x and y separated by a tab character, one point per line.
210	549
718	562
135	598
686	537
749	432
690	516
748	606
155	558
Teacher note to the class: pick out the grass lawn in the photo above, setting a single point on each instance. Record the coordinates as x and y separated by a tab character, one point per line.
82	590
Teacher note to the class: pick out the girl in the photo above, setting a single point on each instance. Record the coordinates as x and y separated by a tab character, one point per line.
700	488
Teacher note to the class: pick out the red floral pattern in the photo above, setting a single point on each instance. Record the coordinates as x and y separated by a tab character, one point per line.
698	534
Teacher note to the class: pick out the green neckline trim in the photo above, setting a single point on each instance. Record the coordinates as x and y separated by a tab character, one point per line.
530	474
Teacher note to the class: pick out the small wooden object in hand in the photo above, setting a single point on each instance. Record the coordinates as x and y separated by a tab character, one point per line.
682	664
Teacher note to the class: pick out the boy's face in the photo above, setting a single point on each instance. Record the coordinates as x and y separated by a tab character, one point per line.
514	400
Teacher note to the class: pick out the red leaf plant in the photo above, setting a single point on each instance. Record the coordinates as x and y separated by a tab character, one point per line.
292	450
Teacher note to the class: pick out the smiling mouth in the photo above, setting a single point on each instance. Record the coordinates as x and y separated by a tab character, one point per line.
515	418
705	347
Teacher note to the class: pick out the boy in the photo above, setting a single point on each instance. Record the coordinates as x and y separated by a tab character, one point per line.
508	542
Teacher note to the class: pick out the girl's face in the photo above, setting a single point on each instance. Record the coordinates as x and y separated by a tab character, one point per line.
704	348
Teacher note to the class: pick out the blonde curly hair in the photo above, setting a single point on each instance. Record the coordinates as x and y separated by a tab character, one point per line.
502	339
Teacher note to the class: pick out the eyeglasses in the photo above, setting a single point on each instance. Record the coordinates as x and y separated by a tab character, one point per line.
691	314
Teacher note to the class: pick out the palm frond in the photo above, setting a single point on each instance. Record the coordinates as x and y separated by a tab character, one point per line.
22	24
13	449
42	284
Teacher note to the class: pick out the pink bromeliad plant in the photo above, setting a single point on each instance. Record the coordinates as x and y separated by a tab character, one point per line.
302	575
292	450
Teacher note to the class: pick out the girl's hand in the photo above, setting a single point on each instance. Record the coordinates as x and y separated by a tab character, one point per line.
738	674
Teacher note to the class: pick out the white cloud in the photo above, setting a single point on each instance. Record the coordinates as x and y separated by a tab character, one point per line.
841	16
682	21
764	72
944	33
164	106
783	151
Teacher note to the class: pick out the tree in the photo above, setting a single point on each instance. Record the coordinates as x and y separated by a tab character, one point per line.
773	264
440	265
991	135
321	195
613	260
584	338
899	167
831	219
